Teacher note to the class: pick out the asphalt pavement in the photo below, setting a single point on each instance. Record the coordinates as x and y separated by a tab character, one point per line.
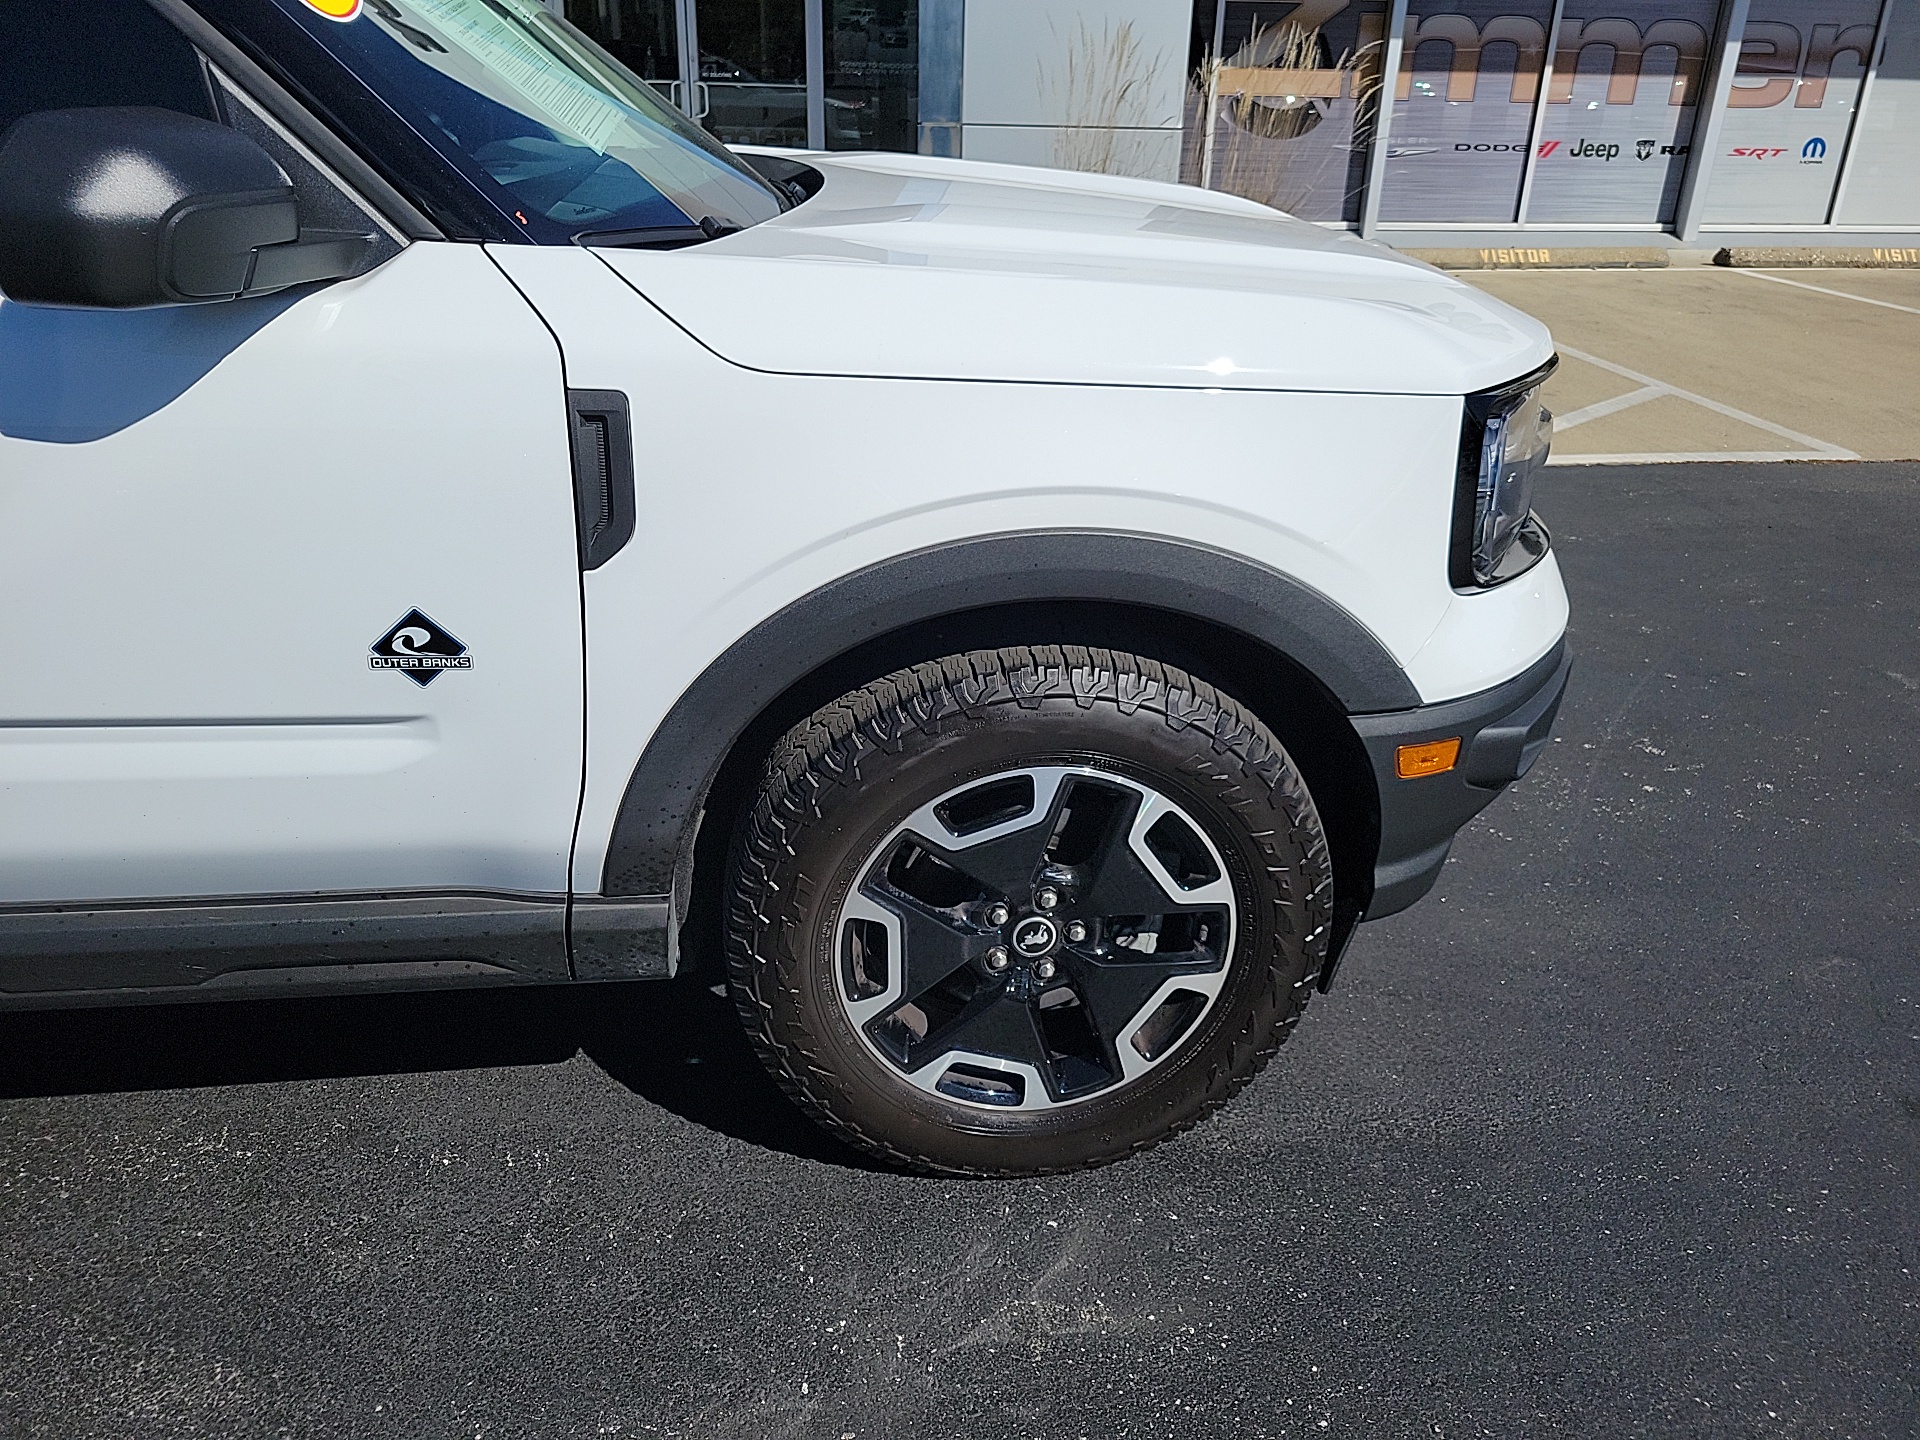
1617	1134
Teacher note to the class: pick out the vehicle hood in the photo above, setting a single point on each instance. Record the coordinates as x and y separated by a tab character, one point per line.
909	267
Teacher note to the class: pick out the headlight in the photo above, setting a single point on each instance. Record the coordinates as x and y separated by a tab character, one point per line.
1503	447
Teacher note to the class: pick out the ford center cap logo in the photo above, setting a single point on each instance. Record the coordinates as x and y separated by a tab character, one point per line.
1035	936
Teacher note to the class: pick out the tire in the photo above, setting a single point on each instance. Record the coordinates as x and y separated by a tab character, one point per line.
889	995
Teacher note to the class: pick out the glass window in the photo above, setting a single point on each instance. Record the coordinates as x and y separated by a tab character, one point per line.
67	54
753	70
566	141
643	35
873	75
1463	110
1790	110
1883	186
1618	129
1292	99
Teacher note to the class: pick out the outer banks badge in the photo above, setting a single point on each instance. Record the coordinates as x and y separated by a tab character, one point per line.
419	649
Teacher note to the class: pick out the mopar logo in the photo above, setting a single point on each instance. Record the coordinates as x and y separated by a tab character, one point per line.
1813	152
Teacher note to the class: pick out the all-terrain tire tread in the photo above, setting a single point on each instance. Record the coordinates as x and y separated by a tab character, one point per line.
834	744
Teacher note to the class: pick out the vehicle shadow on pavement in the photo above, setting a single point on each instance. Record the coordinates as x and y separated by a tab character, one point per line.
675	1044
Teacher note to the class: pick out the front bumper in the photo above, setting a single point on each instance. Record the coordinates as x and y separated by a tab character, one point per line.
1500	730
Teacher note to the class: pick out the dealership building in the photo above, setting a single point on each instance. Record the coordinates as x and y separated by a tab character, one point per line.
1505	123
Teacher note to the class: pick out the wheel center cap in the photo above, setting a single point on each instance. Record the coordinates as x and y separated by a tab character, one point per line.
1035	936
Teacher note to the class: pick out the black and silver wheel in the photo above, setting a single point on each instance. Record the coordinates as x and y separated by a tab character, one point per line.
1025	910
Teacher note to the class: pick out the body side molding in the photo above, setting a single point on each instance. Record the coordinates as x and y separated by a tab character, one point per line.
650	850
57	953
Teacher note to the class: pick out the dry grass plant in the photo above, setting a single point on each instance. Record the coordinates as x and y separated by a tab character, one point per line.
1105	92
1260	155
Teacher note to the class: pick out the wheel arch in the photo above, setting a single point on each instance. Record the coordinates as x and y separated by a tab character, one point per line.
1299	661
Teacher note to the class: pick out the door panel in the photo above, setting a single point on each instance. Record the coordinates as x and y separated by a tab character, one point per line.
209	516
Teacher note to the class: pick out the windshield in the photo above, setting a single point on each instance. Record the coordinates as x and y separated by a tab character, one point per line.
569	143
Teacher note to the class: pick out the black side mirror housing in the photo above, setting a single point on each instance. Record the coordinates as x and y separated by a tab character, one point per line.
120	207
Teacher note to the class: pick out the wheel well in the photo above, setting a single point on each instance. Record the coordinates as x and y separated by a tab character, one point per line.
1301	712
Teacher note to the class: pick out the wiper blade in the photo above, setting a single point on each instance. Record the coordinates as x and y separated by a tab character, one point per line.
659	237
647	237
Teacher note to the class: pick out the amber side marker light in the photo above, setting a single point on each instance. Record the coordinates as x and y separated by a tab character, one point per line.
1430	757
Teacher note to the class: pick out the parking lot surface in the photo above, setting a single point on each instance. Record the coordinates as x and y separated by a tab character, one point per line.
1704	362
1618	1134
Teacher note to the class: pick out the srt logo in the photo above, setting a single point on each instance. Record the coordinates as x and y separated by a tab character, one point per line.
1754	152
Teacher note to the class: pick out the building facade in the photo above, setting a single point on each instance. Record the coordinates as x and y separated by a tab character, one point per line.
1506	122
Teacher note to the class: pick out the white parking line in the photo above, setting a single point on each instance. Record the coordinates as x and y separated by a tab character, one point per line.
1607	407
1822	449
1823	290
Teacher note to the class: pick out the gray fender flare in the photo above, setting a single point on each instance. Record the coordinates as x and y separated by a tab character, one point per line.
650	851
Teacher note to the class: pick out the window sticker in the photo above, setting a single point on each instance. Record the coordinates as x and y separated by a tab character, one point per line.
504	54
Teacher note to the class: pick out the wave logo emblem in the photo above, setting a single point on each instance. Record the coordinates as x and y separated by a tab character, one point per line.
1813	152
335	9
420	649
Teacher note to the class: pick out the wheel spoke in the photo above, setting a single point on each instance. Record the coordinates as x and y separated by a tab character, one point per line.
992	1025
933	950
1002	867
1049	933
1123	885
1115	991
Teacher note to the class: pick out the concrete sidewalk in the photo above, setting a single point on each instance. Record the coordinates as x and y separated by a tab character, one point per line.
1720	364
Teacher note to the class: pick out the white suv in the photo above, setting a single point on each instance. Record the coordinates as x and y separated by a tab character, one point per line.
461	525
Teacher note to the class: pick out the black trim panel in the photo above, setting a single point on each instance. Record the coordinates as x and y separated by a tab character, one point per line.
226	945
652	835
622	939
1501	730
602	436
373	187
264	41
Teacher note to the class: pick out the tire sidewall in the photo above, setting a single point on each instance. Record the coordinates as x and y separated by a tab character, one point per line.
1253	834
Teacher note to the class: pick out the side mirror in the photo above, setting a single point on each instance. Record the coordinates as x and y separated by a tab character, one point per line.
128	206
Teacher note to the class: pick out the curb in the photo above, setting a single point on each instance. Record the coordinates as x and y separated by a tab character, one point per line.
1783	257
1615	257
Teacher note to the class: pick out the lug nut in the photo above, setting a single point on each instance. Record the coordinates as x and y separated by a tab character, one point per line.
1044	970
997	915
997	958
1046	897
1076	932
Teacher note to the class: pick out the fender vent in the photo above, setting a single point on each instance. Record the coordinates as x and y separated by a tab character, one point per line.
602	437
